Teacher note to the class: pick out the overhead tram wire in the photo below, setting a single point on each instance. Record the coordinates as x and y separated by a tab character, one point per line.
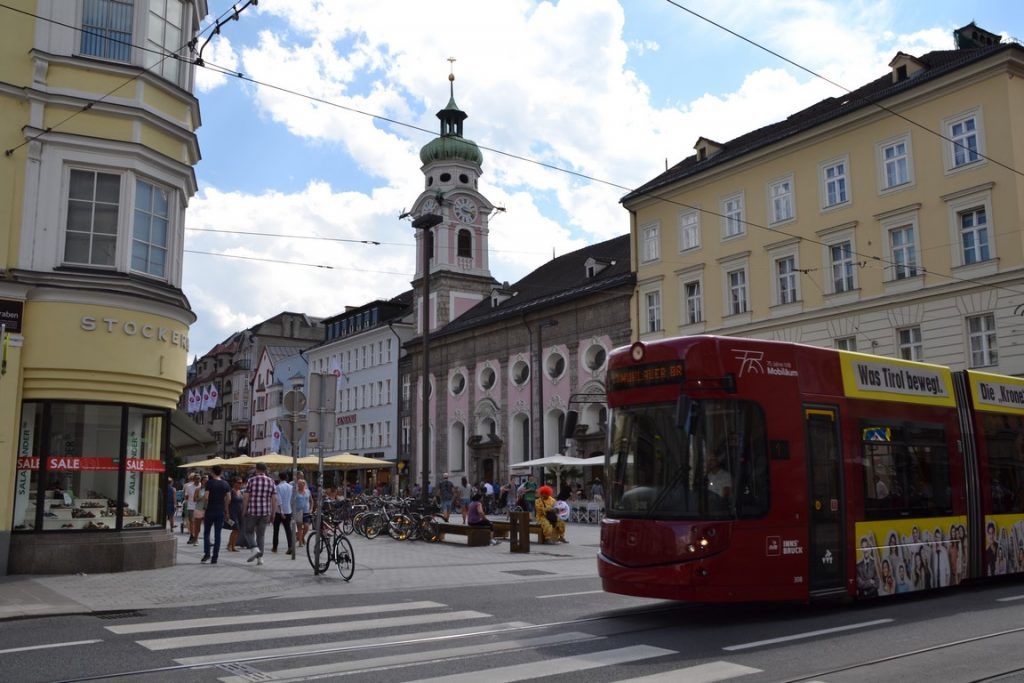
241	76
842	87
375	243
294	263
662	197
91	103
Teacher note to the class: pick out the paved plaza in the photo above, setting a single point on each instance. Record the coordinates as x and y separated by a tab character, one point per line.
382	564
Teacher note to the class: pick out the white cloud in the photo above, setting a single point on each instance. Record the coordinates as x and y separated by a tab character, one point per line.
219	56
542	80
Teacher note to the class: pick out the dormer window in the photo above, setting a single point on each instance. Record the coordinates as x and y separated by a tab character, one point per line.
501	294
706	148
904	66
594	265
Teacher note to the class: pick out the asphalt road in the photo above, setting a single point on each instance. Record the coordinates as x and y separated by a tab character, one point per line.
561	630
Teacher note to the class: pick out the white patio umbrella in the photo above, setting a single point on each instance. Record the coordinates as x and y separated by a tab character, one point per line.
556	462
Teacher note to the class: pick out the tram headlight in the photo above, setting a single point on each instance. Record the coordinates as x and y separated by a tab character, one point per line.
704	543
692	548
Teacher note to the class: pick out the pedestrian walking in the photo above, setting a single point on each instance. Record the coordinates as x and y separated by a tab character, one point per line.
187	507
170	502
235	513
446	490
302	511
218	498
284	514
260	503
199	509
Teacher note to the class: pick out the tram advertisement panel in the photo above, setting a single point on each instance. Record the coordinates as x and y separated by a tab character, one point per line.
1004	544
889	379
997	393
906	555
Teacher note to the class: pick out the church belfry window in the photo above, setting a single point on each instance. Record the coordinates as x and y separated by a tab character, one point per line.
465	243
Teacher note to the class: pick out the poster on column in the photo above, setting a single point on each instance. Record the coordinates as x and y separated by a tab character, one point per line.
133	478
23	478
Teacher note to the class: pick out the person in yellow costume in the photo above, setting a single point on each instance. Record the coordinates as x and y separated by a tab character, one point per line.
552	527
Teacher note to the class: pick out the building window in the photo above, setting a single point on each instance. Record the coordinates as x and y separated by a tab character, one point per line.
465	243
842	266
781	194
650	243
904	252
895	164
910	347
149	233
689	230
164	38
732	210
737	291
964	139
785	277
835	184
694	302
974	234
981	331
107	29
846	343
653	303
93	207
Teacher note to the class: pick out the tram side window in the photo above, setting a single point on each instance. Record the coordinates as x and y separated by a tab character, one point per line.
1004	441
906	470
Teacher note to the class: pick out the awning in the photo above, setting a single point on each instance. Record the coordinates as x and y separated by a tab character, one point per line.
189	439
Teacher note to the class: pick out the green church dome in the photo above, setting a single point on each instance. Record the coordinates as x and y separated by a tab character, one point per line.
451	146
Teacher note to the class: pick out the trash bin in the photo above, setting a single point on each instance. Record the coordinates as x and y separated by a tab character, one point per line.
519	532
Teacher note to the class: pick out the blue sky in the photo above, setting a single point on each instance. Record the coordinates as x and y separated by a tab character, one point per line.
609	89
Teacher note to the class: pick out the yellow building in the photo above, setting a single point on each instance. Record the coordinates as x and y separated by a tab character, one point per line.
97	125
889	220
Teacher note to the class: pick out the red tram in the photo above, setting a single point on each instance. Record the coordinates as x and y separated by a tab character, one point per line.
748	470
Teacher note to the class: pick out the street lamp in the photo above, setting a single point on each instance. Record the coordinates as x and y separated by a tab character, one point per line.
540	376
426	222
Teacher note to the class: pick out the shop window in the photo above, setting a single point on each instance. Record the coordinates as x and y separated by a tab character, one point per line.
71	460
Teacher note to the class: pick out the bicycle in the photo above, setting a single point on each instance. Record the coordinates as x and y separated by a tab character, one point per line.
328	544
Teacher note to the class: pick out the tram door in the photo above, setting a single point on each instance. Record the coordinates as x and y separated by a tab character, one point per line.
826	555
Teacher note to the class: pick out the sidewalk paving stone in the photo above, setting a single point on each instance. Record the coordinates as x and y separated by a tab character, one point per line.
382	564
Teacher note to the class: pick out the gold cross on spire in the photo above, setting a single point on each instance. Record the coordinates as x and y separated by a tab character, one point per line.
451	75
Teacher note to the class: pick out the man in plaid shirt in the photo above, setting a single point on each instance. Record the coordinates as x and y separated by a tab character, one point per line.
259	501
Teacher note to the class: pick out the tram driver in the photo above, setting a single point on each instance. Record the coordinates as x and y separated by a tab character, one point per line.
719	484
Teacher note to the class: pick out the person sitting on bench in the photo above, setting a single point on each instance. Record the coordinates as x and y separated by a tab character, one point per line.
476	515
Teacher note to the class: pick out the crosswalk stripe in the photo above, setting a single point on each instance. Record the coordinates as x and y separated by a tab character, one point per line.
412	658
241	635
270	618
407	638
702	673
557	665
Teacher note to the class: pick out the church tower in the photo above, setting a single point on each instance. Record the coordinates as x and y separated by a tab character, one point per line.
459	273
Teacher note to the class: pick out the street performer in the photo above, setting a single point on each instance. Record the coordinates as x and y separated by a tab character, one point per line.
552	527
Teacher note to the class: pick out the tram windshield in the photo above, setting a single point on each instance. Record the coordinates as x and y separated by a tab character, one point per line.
712	466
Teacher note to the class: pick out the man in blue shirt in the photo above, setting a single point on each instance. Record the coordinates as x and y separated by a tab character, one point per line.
284	514
218	498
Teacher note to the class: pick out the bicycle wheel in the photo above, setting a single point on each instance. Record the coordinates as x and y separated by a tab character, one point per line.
315	542
399	527
429	530
344	557
373	524
346	526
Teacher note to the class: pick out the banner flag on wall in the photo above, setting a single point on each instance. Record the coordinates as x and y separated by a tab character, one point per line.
214	395
275	437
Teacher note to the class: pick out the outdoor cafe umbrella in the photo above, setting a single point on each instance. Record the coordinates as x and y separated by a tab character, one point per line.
351	461
204	463
556	462
237	461
272	459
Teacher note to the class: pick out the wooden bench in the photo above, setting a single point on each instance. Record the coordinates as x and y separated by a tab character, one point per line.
475	535
501	530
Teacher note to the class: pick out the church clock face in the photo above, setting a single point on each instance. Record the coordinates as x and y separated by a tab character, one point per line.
465	210
429	206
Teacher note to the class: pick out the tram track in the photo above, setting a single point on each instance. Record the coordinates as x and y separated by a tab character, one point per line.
398	642
915	653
